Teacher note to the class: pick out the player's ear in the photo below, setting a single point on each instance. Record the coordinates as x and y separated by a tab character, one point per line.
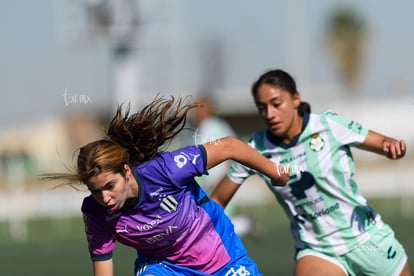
127	170
296	100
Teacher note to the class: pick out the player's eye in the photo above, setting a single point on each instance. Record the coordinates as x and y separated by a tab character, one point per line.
109	186
261	108
276	105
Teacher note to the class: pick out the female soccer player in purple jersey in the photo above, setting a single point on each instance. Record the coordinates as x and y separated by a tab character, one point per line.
148	199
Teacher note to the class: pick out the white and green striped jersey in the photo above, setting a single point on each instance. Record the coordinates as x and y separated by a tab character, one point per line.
325	209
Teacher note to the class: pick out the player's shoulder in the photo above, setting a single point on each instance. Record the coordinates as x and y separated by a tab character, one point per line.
90	205
194	154
166	157
257	137
329	115
340	121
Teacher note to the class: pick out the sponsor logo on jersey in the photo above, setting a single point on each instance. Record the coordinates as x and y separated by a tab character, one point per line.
325	211
156	193
316	142
182	158
313	201
159	238
240	271
391	253
367	248
195	157
150	225
290	159
122	230
356	126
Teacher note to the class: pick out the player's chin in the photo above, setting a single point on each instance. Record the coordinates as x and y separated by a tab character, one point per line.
278	132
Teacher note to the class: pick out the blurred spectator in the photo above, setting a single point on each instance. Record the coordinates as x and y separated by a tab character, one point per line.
208	128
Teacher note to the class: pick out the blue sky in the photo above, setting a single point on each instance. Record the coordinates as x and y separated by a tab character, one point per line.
41	60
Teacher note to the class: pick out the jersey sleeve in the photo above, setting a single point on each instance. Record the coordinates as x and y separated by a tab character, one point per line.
186	163
100	241
345	130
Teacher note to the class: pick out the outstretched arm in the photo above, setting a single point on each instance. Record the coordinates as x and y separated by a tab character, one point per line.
224	191
232	148
103	268
378	143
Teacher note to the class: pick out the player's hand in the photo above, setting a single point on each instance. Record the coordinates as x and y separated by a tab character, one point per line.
282	175
394	149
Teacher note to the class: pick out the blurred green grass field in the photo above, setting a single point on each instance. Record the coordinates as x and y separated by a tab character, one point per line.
58	246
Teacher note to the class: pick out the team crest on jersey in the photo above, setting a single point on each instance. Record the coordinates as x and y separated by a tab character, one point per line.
316	142
169	204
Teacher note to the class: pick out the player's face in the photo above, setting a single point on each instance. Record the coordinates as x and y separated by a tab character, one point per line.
278	109
111	190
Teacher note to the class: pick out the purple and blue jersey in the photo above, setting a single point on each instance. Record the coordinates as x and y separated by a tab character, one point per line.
172	219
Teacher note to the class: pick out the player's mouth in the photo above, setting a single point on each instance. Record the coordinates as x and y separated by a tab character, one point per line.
274	126
112	207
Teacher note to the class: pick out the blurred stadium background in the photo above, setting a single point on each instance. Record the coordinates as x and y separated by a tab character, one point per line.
68	63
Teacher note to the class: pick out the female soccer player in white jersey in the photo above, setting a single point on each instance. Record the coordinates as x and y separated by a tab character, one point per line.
336	232
149	200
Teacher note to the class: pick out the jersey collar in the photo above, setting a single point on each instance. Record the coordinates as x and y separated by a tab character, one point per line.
131	203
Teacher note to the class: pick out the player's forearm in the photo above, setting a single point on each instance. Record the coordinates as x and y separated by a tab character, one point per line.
103	268
232	148
224	191
381	144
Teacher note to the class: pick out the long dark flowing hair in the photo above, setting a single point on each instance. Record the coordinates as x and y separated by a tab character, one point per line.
129	138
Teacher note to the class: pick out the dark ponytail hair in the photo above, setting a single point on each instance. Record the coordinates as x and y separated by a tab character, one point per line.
133	138
144	132
304	107
283	80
